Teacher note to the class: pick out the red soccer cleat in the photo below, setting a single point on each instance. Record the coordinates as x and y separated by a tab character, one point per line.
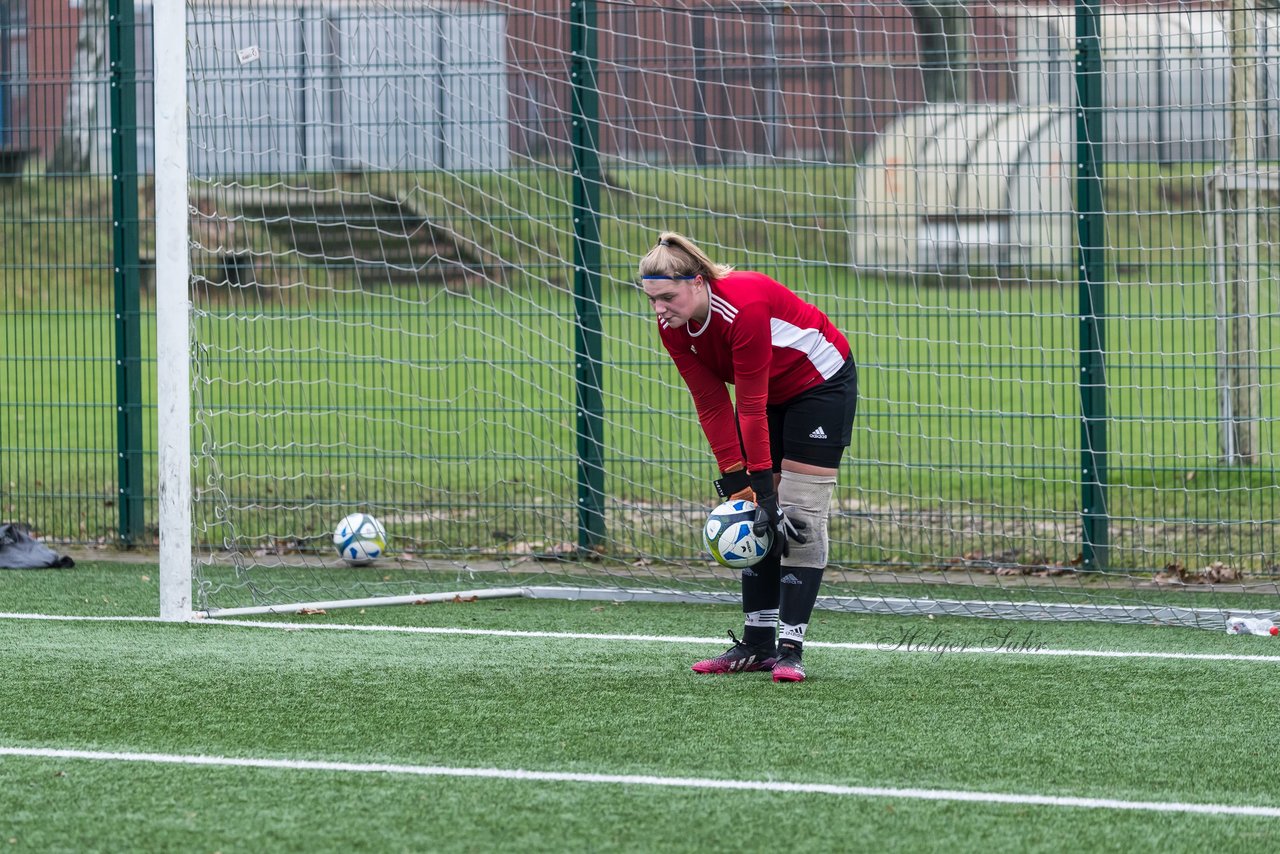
739	658
788	667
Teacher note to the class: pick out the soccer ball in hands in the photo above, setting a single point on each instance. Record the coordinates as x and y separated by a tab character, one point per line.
360	539
730	538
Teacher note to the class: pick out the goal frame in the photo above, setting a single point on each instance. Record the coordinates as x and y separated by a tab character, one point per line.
174	408
173	310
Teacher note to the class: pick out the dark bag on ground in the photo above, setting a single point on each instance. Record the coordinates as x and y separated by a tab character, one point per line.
19	550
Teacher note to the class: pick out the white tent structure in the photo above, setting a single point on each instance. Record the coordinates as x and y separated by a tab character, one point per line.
987	189
961	189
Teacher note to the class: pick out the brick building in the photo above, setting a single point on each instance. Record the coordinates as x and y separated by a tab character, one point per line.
683	82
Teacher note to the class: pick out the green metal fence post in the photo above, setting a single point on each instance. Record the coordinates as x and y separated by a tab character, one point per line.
584	107
124	240
1092	279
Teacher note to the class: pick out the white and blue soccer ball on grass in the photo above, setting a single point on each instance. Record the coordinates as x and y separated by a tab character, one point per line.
360	539
730	538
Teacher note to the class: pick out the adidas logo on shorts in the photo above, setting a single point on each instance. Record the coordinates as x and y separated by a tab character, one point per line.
790	578
818	434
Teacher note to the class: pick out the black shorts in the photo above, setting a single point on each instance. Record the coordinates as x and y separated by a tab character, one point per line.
816	426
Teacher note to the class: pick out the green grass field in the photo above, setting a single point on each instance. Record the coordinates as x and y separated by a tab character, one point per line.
968	406
404	729
422	401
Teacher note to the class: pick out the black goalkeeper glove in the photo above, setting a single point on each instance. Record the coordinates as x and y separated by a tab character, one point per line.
769	516
734	484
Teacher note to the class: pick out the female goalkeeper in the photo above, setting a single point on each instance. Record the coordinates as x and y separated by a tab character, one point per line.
796	391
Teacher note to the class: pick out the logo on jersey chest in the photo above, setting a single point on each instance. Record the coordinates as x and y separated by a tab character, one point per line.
693	348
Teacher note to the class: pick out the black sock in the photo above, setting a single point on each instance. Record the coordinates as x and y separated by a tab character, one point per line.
760	602
799	591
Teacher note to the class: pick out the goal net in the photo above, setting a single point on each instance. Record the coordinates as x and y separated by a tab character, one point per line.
414	232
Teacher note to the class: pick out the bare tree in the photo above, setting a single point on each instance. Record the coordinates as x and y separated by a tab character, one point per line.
943	30
77	150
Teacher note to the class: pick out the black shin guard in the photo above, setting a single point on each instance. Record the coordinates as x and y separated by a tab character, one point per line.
799	591
760	601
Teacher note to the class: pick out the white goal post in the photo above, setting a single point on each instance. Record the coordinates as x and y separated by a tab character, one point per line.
173	310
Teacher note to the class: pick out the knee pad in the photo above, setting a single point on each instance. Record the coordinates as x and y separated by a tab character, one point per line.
807	497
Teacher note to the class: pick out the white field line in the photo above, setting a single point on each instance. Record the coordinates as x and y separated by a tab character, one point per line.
79	617
929	642
645	780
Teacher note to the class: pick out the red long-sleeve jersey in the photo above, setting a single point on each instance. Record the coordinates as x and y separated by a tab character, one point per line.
766	342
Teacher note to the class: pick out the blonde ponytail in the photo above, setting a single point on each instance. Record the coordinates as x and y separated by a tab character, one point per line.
676	256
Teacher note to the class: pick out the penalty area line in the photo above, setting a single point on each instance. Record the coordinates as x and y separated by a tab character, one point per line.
913	644
647	780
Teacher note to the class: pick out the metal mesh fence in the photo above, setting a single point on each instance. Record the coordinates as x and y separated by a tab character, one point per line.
384	230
